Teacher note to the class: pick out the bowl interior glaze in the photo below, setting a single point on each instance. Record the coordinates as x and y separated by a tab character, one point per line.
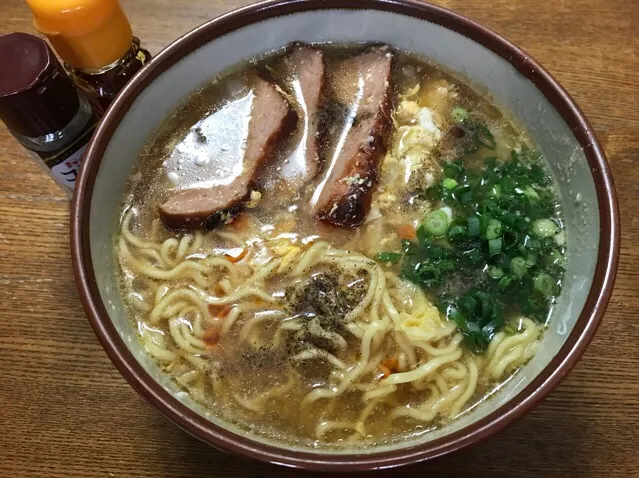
214	48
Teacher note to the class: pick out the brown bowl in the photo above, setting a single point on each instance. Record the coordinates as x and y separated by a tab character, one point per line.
490	62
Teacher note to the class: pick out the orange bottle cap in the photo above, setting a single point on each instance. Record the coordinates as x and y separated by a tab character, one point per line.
87	34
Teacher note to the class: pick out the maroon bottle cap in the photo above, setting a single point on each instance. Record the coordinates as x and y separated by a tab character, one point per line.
37	97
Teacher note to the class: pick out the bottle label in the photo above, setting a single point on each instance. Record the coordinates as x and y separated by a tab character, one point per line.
66	172
65	165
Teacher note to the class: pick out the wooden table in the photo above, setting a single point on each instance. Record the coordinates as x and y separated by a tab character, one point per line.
65	411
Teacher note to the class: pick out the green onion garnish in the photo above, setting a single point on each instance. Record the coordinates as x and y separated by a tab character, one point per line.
459	114
485	137
388	257
494	246
450	183
544	284
437	223
493	229
518	266
556	258
544	228
457	232
473	226
495	272
531	194
505	282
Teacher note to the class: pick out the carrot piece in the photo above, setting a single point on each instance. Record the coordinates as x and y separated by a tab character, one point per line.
406	231
236	255
220	311
211	336
240	222
391	364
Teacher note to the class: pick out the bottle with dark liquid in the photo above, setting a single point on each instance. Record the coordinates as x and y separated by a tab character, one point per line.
95	41
42	108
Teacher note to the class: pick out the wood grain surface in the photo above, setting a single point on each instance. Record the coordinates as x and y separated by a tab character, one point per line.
66	412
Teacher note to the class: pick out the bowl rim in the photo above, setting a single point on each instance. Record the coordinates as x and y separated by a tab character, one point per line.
226	440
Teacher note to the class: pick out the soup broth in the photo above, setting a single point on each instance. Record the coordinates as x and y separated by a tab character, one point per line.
375	326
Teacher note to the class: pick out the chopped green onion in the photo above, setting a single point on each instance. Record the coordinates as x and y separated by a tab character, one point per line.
494	246
531	194
556	258
510	239
456	232
438	252
463	189
473	226
502	261
544	228
493	229
422	236
459	114
437	223
450	183
473	256
408	247
518	266
521	224
509	219
544	284
497	229
466	197
505	282
388	257
531	243
485	137
453	169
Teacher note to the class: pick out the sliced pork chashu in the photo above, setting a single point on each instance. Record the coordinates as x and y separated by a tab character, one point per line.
304	78
363	83
271	120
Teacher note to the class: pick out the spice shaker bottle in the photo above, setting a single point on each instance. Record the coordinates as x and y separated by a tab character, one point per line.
41	107
94	40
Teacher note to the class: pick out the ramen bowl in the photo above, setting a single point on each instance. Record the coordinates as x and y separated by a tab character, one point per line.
494	66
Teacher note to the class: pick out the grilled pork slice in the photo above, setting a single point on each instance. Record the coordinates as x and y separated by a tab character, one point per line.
304	79
343	198
271	120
